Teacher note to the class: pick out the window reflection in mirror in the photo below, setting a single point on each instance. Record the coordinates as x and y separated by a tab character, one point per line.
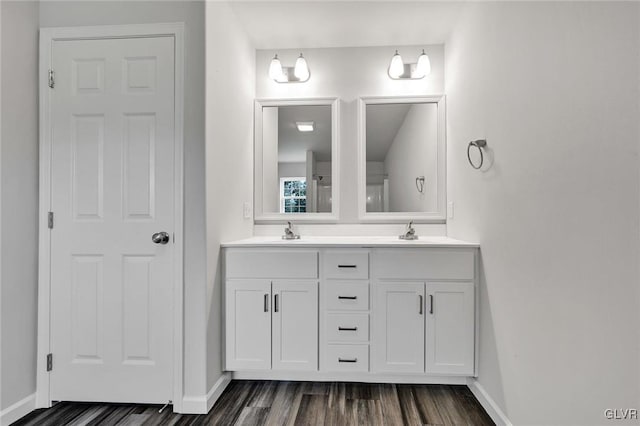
402	157
296	159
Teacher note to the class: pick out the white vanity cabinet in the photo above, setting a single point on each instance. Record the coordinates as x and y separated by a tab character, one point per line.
401	344
398	343
271	323
345	310
370	311
425	311
450	328
248	324
295	325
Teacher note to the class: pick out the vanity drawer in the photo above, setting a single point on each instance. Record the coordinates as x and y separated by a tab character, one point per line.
347	327
272	264
346	264
348	358
347	296
423	264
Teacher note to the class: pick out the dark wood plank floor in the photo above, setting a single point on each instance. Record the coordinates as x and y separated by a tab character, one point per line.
291	403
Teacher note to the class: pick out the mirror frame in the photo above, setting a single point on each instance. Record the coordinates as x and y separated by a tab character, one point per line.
266	217
438	216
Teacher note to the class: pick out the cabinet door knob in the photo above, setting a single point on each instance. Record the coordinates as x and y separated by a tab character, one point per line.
266	302
420	304
275	303
431	304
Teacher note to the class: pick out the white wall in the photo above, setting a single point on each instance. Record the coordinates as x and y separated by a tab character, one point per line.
1	211
310	171
19	200
291	170
349	73
375	172
554	89
270	171
414	153
81	13
229	156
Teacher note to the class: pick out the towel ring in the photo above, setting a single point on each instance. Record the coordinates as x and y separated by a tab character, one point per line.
420	184
480	143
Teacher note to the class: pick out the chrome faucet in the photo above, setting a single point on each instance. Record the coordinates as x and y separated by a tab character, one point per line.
409	233
289	234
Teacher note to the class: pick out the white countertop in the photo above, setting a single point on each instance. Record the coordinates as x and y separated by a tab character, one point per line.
368	241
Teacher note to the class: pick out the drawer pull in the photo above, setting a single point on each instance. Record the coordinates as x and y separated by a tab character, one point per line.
347	359
347	297
347	328
347	266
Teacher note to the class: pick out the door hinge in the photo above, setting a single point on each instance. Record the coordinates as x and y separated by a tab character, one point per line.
52	81
49	362
50	220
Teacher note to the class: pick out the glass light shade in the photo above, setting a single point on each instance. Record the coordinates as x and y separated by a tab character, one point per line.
275	69
301	70
423	67
396	67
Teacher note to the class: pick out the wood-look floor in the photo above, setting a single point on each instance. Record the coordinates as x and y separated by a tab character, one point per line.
291	403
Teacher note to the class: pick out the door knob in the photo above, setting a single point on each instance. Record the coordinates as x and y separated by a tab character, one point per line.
160	237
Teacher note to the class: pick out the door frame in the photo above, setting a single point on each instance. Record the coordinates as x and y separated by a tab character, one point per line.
47	37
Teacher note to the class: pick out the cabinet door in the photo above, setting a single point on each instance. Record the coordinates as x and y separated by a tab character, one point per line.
248	325
295	325
450	328
398	335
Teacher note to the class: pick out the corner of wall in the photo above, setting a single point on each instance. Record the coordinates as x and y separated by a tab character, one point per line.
19	23
1	210
18	410
230	90
488	403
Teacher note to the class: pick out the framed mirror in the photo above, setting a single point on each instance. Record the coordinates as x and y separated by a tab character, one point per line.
296	160
402	159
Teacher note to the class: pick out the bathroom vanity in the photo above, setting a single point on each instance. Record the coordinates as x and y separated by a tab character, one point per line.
368	309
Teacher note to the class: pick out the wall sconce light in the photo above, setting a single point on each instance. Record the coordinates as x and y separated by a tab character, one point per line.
398	70
296	74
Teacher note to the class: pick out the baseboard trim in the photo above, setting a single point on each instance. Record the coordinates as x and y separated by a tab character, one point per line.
203	404
217	389
194	405
18	410
489	405
317	376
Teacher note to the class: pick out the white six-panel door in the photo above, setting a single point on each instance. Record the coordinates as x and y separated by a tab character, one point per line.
112	188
